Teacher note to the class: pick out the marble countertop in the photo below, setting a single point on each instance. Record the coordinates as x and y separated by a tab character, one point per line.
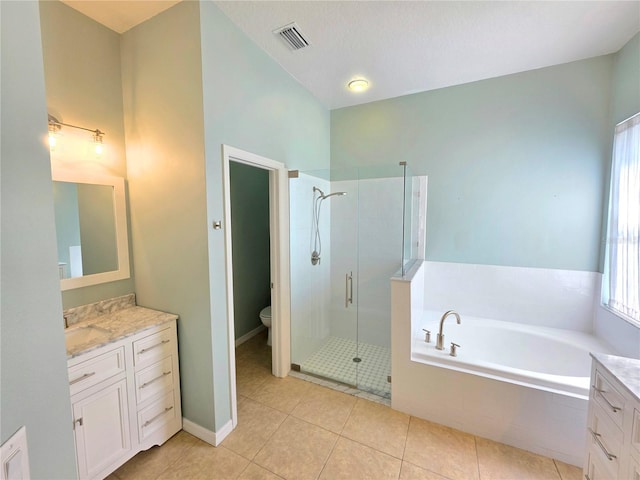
627	370
114	326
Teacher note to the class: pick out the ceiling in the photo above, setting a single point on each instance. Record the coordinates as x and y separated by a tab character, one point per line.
404	47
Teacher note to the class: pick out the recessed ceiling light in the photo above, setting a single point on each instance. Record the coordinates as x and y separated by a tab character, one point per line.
358	85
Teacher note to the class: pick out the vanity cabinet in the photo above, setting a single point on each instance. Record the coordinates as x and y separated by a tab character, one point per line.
125	398
613	422
101	426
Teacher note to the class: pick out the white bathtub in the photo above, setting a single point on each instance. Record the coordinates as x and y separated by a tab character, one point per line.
544	358
517	384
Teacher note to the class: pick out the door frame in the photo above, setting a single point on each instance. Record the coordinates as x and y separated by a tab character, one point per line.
279	253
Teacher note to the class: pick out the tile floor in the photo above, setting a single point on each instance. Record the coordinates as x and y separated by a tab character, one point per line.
292	429
335	360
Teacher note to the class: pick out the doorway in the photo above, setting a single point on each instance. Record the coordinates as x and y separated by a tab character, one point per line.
279	262
250	250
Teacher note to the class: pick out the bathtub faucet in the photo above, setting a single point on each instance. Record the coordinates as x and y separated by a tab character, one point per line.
440	338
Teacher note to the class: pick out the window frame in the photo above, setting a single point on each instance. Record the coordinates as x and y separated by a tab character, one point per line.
605	300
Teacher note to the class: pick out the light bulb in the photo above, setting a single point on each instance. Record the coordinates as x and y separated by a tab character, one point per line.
53	141
97	142
358	85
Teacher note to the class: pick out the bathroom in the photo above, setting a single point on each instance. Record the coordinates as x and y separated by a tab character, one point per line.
174	121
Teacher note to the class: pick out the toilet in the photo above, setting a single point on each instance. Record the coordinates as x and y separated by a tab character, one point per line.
265	317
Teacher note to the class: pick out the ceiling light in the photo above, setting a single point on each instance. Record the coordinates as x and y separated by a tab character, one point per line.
358	85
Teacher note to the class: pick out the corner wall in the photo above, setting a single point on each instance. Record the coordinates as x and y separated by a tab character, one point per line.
162	96
250	103
625	102
84	87
33	375
515	163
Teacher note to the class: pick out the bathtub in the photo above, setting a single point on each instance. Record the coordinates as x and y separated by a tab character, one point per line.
543	358
514	383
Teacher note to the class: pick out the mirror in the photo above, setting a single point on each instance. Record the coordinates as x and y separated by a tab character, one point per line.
91	229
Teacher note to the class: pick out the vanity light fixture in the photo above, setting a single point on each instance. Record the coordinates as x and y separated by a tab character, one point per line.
358	85
54	128
55	125
97	142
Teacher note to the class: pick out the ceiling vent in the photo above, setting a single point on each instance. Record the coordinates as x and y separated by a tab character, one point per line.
292	36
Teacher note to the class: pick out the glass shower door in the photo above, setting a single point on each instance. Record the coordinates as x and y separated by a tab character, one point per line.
379	249
324	274
341	294
342	347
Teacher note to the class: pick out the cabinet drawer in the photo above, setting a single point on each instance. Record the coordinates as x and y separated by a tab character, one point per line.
605	441
152	348
156	416
96	369
606	395
154	380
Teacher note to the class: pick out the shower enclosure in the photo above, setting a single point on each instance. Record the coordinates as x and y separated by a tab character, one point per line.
351	231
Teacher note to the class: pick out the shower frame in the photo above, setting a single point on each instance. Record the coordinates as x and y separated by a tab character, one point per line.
351	276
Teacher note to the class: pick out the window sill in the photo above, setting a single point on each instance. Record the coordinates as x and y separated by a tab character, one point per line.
621	315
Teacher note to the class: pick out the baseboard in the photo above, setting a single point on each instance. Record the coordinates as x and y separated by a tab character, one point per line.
250	335
206	435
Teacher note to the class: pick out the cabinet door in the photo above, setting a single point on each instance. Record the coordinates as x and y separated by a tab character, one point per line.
101	423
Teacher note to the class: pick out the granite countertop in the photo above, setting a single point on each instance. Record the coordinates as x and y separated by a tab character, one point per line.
113	326
627	370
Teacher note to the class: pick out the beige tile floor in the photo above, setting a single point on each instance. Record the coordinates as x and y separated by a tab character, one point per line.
292	429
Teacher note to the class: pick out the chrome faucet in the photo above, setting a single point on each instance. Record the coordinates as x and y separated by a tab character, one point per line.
440	338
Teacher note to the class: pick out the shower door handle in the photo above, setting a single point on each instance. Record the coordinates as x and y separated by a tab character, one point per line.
348	289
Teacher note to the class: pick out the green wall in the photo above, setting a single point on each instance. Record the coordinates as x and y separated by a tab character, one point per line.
250	234
515	163
252	104
84	87
220	88
33	360
625	97
162	88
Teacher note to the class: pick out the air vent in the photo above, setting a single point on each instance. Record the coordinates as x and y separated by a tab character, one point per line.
292	36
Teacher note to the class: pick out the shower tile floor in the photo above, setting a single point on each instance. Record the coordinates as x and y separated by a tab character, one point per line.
334	360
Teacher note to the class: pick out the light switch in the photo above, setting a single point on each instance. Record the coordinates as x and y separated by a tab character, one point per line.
14	457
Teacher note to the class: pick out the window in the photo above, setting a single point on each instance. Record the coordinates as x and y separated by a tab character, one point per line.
621	287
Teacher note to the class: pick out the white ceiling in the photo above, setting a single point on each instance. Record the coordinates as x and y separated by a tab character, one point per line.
404	47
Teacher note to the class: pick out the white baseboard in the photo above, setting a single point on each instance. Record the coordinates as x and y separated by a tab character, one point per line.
249	335
206	435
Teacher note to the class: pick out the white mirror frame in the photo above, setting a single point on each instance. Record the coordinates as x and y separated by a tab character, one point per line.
122	236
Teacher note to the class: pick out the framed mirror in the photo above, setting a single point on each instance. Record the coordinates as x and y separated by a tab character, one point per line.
91	229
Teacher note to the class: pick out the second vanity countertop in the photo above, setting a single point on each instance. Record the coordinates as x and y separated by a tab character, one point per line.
627	370
111	327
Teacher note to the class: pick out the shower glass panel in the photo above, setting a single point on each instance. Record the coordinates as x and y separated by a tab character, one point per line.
341	305
414	218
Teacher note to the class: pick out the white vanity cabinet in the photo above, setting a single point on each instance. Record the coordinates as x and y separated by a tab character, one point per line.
613	422
125	398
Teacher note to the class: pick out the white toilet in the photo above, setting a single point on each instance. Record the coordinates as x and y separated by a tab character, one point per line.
265	317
